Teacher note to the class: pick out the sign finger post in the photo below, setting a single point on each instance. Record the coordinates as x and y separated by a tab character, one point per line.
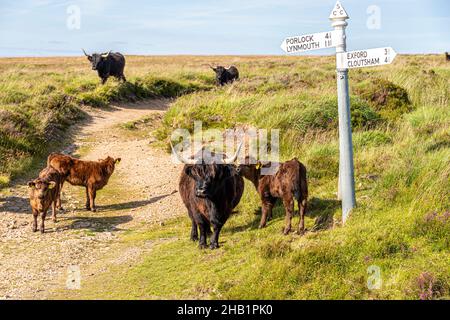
344	61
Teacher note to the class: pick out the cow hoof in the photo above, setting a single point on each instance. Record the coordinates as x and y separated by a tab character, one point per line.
202	246
301	232
194	239
42	231
33	229
94	210
286	231
261	226
213	246
61	209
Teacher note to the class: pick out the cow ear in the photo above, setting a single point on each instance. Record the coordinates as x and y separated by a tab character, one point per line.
51	185
118	160
258	165
187	171
31	184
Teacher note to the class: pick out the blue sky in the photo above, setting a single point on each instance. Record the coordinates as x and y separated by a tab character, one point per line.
39	27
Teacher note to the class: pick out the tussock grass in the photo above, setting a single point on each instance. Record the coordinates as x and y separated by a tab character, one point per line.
402	171
401	123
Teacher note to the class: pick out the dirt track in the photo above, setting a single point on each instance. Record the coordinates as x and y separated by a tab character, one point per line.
142	191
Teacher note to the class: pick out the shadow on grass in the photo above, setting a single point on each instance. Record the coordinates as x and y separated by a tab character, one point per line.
97	224
15	204
438	146
277	213
321	209
133	204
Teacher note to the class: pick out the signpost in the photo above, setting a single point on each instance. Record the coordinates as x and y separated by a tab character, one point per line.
346	184
344	61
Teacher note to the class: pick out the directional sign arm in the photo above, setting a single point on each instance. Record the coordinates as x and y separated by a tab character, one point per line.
308	42
365	58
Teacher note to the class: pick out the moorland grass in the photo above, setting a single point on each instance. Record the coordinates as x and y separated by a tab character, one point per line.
401	127
41	97
401	121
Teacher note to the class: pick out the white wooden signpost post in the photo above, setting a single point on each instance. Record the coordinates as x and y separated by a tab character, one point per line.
344	61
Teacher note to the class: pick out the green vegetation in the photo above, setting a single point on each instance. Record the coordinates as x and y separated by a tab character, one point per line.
401	120
40	98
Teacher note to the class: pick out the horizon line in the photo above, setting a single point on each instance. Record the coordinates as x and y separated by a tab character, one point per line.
208	55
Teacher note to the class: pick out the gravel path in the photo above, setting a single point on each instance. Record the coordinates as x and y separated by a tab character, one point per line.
142	191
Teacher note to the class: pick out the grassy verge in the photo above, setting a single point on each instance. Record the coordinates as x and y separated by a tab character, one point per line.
401	121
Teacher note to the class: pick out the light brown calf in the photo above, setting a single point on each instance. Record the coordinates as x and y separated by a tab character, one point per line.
93	175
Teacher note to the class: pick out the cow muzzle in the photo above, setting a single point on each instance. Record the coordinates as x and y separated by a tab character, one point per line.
201	192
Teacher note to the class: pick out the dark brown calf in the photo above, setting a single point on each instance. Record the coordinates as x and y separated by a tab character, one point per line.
93	175
287	183
44	192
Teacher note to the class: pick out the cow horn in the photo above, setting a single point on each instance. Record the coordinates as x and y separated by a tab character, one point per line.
182	159
233	159
211	67
105	55
85	53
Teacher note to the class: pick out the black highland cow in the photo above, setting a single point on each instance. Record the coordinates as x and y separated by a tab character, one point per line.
210	192
225	75
108	64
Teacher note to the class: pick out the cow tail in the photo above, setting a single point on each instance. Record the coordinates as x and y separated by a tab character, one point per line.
301	189
303	184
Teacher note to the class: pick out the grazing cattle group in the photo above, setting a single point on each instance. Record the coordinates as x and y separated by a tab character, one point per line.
45	191
113	64
210	191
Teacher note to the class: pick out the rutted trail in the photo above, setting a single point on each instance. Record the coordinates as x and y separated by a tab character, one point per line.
142	191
